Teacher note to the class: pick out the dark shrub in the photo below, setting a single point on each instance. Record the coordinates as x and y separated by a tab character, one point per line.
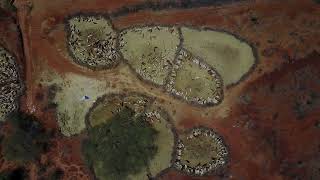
123	146
27	141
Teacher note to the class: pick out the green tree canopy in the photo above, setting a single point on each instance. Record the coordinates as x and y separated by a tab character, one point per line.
123	146
27	140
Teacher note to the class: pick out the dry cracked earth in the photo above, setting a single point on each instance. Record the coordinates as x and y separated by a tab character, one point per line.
210	89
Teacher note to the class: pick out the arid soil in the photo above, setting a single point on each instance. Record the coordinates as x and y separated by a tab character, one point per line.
269	120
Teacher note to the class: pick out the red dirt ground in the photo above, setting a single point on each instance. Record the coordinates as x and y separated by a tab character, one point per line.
272	129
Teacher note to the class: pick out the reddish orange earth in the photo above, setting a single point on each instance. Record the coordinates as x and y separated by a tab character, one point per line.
272	126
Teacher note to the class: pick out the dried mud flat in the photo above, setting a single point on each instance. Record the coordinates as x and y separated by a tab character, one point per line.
268	119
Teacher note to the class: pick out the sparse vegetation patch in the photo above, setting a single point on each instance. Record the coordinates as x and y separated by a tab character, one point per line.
74	96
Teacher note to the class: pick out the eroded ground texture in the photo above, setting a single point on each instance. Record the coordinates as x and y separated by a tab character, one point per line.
170	90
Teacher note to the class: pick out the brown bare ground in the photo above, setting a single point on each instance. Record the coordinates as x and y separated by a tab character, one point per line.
266	138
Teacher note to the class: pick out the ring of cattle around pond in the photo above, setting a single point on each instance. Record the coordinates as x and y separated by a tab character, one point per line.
10	83
198	152
190	64
104	112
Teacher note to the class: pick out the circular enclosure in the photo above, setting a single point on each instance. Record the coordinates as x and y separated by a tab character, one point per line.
10	83
200	151
194	81
129	137
92	42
